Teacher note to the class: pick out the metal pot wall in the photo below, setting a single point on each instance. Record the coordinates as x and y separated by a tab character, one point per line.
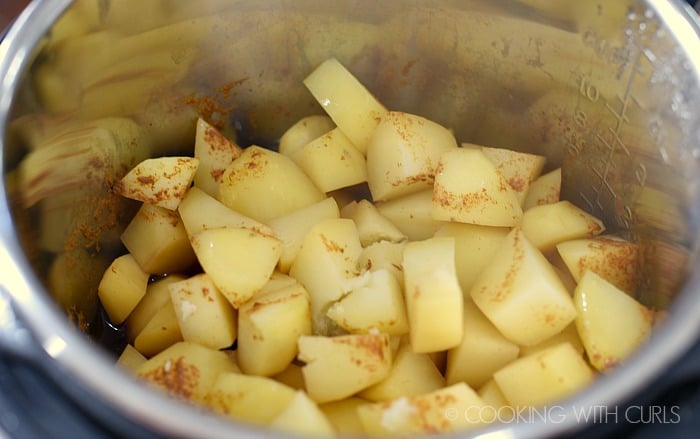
608	90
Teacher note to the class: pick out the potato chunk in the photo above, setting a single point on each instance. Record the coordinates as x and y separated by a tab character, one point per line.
546	189
303	416
215	153
520	169
371	224
122	287
549	224
161	181
304	131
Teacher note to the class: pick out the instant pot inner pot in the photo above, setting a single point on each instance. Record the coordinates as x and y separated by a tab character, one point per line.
601	88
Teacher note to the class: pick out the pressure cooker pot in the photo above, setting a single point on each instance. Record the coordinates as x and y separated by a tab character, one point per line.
607	91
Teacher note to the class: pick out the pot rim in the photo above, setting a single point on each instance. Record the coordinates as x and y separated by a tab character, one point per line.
94	369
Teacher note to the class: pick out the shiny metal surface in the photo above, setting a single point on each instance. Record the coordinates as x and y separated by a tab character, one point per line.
611	91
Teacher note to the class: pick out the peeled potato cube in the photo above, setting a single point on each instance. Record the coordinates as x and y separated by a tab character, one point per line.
247	398
269	325
186	370
411	214
158	240
351	106
549	224
160	181
568	335
433	297
122	286
491	394
203	313
130	358
302	416
521	293
383	255
611	323
403	155
157	295
520	169
332	162
371	224
160	332
544	377
546	189
469	189
264	184
215	153
239	261
340	366
304	131
343	415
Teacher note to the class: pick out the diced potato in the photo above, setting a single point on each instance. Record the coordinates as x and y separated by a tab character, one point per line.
433	297
203	313
186	370
412	215
546	189
264	184
215	153
450	409
492	396
340	366
343	415
239	261
292	227
474	247
351	106
158	241
469	189
122	286
332	161
326	261
482	351
304	131
200	211
544	377
371	224
384	255
521	293
569	335
160	181
291	376
616	260
403	155
276	282
549	224
130	358
268	328
303	417
157	295
387	312
610	322
520	169
247	398
160	332
412	374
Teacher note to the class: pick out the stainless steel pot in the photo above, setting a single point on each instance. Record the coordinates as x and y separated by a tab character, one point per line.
609	90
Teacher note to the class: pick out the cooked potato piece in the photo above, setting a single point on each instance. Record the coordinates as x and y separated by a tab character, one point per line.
130	358
549	224
302	416
325	264
122	286
546	189
343	415
544	377
521	293
387	312
492	396
469	189
160	332
158	241
157	295
482	351
351	106
520	169
186	370
269	325
384	255
340	366
610	322
424	414
239	261
247	398
411	214
291	376
304	131
161	181
411	374
616	260
569	335
203	313
433	297
200	211
264	184
371	224
332	161
292	227
215	153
